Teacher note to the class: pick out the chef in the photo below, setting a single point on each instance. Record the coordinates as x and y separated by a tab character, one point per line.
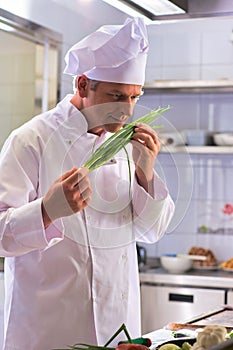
69	236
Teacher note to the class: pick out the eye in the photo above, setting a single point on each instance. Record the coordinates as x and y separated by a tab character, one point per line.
135	98
116	97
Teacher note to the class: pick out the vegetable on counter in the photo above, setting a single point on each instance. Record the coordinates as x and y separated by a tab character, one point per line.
129	344
210	336
185	346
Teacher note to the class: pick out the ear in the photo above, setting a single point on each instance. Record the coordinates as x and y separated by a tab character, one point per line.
82	85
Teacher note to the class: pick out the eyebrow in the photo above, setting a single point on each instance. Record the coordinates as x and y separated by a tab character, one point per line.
124	94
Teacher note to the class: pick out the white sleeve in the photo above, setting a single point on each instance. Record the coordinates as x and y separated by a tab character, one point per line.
21	224
152	215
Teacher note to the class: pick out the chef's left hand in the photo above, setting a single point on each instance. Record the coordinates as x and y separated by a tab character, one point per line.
145	151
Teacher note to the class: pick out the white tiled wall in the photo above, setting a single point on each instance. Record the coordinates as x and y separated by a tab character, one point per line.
193	49
200	184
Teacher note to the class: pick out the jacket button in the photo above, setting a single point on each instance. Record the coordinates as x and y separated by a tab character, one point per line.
123	295
124	257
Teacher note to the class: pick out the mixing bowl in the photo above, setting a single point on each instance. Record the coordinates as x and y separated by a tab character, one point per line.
176	264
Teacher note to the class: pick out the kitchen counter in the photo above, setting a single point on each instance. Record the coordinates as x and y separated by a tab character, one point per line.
195	278
167	297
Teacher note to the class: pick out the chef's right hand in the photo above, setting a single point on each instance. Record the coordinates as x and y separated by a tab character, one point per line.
67	195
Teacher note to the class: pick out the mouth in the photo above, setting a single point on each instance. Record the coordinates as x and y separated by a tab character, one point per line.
121	119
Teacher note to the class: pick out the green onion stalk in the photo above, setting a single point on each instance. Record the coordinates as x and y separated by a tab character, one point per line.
81	346
119	140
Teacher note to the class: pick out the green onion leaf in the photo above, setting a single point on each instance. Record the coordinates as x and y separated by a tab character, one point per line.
119	140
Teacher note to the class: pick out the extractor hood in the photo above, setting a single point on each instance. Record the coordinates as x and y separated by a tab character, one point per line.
189	8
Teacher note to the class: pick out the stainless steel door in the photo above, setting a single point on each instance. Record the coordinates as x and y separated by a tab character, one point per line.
1	307
230	297
161	305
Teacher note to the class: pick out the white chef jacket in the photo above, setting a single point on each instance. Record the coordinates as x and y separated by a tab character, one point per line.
77	280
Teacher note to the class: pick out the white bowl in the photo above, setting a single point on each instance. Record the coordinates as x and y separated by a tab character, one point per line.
175	264
223	139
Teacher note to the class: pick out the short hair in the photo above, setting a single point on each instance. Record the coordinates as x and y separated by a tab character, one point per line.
93	84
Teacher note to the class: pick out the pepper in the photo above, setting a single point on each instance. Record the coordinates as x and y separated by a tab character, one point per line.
142	341
131	346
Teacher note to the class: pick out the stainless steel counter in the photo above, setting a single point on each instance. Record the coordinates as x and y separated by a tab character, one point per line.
167	297
192	278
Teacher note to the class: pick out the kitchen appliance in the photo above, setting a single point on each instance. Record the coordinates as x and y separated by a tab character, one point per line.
164	304
2	297
142	255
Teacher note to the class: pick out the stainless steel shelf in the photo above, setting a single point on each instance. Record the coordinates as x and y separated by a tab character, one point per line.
198	149
197	278
190	86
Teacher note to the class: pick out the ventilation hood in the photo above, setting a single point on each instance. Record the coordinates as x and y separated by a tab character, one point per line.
191	9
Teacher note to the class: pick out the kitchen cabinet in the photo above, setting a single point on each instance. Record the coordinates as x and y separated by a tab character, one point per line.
164	304
1	289
178	298
1	306
230	298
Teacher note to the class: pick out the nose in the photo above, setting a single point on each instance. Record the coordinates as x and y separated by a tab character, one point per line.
127	108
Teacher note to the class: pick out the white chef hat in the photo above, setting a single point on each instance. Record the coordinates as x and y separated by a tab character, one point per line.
114	53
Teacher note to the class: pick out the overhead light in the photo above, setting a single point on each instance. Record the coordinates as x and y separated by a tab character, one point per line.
146	8
127	9
158	7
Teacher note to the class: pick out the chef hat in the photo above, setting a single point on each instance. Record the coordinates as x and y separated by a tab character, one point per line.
114	53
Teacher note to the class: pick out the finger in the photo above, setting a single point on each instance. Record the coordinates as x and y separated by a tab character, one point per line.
140	127
83	185
144	139
67	174
85	194
75	177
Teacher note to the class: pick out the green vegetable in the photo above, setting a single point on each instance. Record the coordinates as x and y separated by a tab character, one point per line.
230	335
186	346
203	229
169	347
143	341
119	140
81	346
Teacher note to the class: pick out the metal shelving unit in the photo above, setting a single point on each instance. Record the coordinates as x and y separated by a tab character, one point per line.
190	86
198	149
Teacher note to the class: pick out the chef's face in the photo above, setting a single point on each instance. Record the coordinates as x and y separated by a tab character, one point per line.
107	106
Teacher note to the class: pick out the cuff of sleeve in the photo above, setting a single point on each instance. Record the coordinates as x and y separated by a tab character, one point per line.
27	225
54	233
148	209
